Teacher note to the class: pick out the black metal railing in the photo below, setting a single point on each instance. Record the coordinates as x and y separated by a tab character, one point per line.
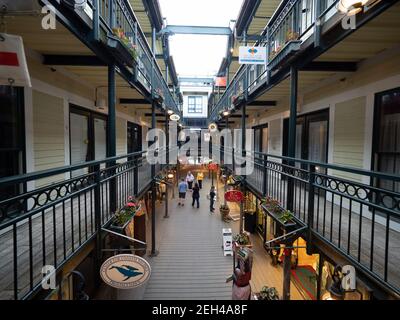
57	212
292	22
118	14
342	206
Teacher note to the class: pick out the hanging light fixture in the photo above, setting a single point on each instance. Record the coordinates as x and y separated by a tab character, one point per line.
212	127
352	7
170	112
226	113
174	117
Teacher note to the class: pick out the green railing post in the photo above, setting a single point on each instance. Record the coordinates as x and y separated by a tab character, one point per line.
310	211
97	222
292	133
111	133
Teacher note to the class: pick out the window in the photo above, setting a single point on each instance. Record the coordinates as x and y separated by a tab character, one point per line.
12	145
195	104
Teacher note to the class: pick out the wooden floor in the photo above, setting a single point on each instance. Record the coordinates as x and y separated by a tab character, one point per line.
352	231
191	264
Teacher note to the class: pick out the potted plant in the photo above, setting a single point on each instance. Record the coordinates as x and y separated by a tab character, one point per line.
224	211
268	293
130	46
242	240
286	217
158	95
291	35
124	216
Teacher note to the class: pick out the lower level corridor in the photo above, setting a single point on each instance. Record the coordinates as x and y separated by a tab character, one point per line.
191	264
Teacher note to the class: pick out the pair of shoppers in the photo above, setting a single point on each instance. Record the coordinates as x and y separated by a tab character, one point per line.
190	179
183	187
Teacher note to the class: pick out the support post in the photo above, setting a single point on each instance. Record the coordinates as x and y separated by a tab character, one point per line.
317	31
111	133
97	222
153	188
310	212
287	266
292	132
167	159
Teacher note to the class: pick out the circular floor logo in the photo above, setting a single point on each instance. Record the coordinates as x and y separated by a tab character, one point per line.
125	271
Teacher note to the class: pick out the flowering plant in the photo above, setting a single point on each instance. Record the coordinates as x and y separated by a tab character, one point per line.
119	32
127	212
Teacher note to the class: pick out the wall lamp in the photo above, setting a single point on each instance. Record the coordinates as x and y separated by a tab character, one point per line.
352	7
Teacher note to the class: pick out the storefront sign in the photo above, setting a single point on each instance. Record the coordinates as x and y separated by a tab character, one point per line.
125	271
252	55
13	66
234	196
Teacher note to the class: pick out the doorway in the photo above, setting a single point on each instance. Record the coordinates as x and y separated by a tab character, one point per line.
386	141
134	137
88	137
12	132
311	136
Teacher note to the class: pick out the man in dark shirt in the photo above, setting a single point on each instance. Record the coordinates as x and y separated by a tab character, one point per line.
212	198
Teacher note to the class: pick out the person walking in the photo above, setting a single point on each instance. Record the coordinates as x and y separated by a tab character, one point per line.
163	191
182	188
200	177
212	198
196	195
189	180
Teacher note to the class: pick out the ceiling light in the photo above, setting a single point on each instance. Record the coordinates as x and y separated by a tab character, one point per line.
212	127
226	113
352	7
170	112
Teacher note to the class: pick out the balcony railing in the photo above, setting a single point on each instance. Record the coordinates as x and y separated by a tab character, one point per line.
57	212
117	20
346	208
292	24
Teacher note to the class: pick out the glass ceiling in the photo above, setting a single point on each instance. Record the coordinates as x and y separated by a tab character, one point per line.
199	55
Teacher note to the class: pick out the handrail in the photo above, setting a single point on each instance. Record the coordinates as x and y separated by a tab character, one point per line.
277	21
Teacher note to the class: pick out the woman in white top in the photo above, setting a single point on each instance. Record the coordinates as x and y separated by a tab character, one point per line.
189	180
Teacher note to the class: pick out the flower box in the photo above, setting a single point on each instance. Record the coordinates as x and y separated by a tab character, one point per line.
121	51
277	213
284	55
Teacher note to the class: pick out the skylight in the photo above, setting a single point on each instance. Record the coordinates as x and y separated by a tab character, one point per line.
199	55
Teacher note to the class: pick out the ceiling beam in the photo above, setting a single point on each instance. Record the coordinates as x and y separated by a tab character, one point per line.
173	29
157	115
262	104
334	66
72	60
133	101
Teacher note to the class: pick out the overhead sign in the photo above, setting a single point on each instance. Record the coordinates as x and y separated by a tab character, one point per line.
220	81
125	271
234	196
13	66
252	55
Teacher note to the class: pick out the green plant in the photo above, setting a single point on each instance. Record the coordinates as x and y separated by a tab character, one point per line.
242	239
268	293
286	216
272	204
291	35
126	213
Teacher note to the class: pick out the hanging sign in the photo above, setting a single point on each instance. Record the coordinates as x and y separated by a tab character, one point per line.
234	196
220	81
252	55
213	166
13	66
125	271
